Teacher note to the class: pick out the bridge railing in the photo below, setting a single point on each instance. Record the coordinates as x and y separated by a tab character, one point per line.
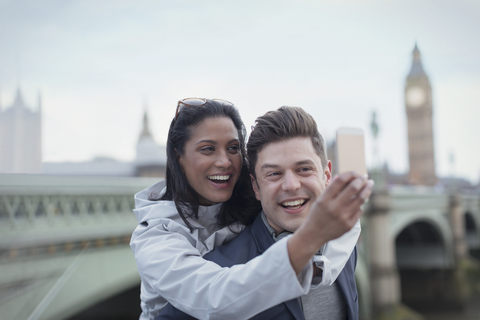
45	214
405	199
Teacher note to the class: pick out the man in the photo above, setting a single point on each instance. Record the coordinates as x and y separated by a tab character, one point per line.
290	174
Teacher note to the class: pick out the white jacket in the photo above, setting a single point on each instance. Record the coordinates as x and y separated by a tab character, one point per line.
170	264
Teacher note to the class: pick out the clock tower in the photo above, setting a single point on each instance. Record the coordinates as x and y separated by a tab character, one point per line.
418	104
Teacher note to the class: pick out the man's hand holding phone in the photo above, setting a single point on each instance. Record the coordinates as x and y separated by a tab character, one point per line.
350	154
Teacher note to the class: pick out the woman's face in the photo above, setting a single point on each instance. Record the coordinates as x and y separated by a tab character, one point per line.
212	160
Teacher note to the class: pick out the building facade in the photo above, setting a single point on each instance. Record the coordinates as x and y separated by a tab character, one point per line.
21	138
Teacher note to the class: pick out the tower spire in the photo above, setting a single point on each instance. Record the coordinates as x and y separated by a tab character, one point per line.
18	102
145	130
417	67
416	53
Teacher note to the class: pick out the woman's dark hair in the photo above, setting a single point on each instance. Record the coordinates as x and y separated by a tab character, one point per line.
242	206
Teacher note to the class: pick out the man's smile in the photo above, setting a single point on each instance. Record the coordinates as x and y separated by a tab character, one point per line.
293	204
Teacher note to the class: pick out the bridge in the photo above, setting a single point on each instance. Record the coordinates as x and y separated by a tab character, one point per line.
64	247
64	243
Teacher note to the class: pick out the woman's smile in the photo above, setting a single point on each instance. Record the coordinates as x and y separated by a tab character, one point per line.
219	178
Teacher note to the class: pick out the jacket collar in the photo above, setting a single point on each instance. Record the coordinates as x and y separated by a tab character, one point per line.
260	233
263	240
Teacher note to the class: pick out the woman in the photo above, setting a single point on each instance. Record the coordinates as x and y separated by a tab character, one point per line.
206	201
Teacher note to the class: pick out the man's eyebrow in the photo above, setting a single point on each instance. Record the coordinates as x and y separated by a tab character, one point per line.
269	166
303	162
298	163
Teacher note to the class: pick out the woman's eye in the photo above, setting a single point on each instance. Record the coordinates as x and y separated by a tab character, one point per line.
207	149
234	149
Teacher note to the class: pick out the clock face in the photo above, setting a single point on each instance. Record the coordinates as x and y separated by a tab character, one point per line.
416	97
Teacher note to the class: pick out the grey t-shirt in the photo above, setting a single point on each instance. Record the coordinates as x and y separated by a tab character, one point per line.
323	302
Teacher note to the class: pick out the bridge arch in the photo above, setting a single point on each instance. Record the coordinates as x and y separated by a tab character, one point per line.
98	275
425	257
122	306
471	225
68	284
421	245
472	234
439	244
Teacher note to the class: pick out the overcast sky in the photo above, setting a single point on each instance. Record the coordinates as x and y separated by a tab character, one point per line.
99	64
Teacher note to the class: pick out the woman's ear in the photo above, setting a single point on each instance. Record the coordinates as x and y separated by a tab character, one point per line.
179	159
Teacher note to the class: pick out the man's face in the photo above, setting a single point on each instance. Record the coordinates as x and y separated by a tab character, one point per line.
290	177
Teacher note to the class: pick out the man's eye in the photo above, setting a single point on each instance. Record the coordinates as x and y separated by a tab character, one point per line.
273	174
305	170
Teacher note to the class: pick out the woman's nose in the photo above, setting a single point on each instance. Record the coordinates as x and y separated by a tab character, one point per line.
223	160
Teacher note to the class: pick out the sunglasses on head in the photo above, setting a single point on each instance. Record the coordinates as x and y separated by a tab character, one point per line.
197	102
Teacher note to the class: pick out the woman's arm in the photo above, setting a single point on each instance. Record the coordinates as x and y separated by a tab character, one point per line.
174	271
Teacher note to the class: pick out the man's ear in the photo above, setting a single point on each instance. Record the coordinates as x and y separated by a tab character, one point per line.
255	187
328	173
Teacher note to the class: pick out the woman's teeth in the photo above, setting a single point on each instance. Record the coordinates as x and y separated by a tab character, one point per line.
219	178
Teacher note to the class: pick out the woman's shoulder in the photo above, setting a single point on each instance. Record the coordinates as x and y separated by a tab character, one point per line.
150	194
148	207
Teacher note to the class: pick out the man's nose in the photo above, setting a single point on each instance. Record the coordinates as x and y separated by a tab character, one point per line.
223	160
290	181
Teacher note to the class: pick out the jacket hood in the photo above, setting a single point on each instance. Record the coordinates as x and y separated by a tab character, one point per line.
147	210
154	192
143	204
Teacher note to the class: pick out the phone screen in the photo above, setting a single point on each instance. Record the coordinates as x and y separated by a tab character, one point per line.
351	150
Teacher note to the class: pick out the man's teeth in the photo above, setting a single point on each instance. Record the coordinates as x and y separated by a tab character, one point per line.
219	177
294	203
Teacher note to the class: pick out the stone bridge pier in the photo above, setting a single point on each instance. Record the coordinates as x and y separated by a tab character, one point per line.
384	278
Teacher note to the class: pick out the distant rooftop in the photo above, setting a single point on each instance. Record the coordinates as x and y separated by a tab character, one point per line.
100	166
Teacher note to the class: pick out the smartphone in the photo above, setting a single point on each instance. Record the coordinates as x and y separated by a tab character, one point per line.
350	150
